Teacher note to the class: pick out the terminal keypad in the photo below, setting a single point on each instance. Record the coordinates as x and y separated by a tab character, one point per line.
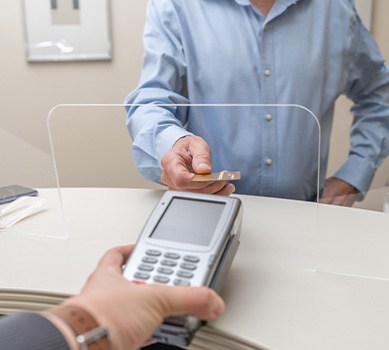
167	267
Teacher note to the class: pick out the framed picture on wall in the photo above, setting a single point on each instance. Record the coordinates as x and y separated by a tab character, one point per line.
66	30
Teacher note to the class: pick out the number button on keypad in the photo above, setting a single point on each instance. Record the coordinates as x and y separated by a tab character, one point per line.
161	279
184	274
149	260
167	262
153	252
191	258
171	255
165	270
145	267
181	282
188	266
142	275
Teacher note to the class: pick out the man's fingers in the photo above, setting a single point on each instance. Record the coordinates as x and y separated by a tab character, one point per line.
199	152
202	302
177	175
212	187
115	257
217	187
201	155
338	192
175	169
345	201
188	156
227	190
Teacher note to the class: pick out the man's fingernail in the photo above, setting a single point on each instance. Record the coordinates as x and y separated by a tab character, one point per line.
204	165
218	309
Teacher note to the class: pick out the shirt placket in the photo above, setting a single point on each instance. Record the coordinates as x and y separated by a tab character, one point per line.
268	113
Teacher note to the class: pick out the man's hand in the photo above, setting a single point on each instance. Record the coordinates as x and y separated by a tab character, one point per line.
132	312
191	155
338	192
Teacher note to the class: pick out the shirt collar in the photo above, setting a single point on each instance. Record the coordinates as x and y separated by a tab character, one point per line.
282	2
279	7
243	2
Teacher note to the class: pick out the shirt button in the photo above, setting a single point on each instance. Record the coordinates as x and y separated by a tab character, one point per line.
267	72
268	117
269	161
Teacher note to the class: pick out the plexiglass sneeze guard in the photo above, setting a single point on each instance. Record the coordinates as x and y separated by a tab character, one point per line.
92	149
25	167
277	149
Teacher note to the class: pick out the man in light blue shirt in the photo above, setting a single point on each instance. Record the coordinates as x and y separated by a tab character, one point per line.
259	53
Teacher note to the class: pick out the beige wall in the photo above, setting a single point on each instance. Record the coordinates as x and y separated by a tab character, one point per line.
28	91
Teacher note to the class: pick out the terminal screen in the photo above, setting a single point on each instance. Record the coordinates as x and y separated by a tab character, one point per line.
189	221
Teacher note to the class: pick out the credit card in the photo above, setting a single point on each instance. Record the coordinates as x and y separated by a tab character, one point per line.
219	176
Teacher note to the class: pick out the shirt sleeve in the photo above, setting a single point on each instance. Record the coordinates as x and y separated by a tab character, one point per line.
30	331
368	88
154	128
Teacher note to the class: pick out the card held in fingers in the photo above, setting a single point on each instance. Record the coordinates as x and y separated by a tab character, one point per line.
219	176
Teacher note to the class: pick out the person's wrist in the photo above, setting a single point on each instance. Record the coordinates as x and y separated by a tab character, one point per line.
102	314
64	328
352	189
86	330
182	138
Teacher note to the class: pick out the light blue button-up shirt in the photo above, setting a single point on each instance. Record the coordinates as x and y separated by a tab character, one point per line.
305	52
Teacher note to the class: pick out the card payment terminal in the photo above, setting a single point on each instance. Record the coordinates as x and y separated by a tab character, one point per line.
189	239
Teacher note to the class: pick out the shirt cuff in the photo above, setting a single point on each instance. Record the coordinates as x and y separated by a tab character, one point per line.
358	172
29	331
167	138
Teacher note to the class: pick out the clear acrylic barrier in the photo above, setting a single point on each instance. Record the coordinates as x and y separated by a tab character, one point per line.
39	216
92	149
354	241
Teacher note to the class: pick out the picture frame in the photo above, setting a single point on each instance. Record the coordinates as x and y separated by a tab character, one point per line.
67	30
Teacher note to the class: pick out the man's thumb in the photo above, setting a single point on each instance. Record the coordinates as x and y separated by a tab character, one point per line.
201	156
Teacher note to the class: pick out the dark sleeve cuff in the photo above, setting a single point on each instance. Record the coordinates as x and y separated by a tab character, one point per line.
30	331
